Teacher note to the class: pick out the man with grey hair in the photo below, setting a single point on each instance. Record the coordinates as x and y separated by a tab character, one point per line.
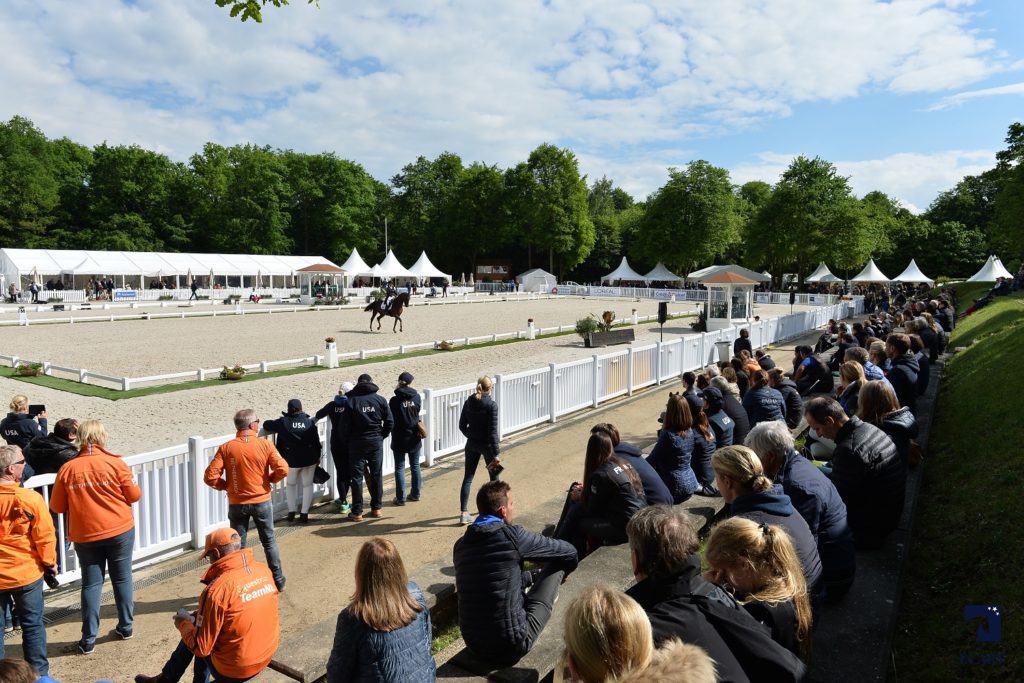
28	548
866	470
815	498
245	467
860	355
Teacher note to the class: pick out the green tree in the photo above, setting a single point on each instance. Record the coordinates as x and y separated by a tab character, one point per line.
477	226
29	193
692	219
424	203
253	9
1008	221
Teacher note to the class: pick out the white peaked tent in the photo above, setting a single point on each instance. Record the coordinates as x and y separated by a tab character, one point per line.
991	271
871	273
355	265
536	280
912	274
623	272
423	268
820	274
732	268
662	274
390	267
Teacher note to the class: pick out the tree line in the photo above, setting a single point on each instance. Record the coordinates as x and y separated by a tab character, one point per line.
56	193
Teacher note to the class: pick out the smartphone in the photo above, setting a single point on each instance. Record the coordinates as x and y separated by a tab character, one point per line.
497	469
36	408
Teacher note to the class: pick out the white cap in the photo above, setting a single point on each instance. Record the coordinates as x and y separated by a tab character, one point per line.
345	388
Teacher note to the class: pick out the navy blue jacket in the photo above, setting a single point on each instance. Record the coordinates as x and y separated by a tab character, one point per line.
772	507
764	405
741	425
478	422
670	457
794	402
364	655
612	499
924	371
405	408
18	429
819	503
368	415
723	426
335	412
489	584
654	488
903	378
298	439
700	463
849	399
901	426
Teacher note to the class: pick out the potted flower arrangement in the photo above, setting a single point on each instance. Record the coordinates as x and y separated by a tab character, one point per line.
29	369
232	373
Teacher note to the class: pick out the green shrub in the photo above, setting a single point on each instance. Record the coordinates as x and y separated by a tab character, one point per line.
587	326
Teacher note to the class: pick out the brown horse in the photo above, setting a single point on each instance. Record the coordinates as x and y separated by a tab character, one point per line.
395	311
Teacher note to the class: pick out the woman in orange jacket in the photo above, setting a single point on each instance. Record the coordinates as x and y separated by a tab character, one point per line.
96	491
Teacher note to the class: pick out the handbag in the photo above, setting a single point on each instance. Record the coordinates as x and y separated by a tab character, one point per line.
320	475
421	429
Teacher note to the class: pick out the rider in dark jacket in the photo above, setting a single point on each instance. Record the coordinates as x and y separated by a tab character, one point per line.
334	411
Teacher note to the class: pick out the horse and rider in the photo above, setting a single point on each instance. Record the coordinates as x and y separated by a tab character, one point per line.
393	304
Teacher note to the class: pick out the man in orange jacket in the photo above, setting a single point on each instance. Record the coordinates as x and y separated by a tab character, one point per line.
234	632
27	552
245	467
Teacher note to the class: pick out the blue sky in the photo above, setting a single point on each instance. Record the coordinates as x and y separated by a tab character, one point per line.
904	97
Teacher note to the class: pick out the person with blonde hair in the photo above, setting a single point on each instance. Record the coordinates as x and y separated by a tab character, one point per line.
607	634
96	490
478	422
851	379
759	564
383	634
18	428
741	479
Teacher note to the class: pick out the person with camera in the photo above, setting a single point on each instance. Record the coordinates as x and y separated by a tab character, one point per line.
298	442
334	411
21	426
406	441
28	555
478	422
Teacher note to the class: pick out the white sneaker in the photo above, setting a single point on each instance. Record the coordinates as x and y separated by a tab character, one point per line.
465	519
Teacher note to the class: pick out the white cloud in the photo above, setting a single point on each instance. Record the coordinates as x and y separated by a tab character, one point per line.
961	97
912	178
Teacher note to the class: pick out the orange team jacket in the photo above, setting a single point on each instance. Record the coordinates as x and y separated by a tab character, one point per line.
249	465
236	622
27	541
97	489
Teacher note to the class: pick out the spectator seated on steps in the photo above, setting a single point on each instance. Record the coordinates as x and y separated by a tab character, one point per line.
903	369
851	379
878	406
811	375
655	490
733	408
790	394
673	453
762	402
764	360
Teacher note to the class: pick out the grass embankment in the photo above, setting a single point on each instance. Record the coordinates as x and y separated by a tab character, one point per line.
968	541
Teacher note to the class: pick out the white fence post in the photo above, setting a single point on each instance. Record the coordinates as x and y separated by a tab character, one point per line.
126	384
428	447
498	397
629	371
597	381
552	391
197	491
83	376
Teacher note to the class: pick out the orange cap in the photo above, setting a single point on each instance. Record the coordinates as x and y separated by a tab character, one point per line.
216	539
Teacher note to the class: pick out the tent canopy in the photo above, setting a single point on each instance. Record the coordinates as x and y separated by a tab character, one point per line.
991	271
536	280
871	273
661	274
355	265
738	270
820	274
390	267
424	268
623	272
912	274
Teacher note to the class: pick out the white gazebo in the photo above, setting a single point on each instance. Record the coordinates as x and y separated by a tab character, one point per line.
871	273
317	271
536	280
662	274
423	268
699	275
821	274
623	272
913	274
730	299
991	271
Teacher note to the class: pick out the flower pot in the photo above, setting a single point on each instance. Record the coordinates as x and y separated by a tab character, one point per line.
233	376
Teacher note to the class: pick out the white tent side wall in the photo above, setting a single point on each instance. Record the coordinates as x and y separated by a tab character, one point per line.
537	280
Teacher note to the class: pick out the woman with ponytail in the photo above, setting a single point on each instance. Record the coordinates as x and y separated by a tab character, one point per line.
479	424
759	564
740	477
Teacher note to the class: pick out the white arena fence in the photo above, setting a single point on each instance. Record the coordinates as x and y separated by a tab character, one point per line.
689	294
177	509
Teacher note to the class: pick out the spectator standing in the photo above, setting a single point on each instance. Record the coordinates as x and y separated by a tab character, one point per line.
334	411
19	428
234	632
245	467
866	470
478	422
383	635
298	442
27	553
742	343
672	454
903	369
46	454
96	491
369	423
502	607
406	443
762	402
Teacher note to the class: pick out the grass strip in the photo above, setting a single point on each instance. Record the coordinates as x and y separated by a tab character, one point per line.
968	534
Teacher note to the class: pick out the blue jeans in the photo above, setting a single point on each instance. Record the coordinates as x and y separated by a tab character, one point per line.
414	469
364	459
472	461
263	516
202	671
28	603
95	557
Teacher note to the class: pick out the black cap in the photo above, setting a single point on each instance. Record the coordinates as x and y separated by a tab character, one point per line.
712	395
295	406
364	378
405	378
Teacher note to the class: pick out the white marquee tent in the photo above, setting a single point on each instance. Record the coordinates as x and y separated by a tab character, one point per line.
821	274
871	273
991	271
355	266
623	272
734	269
912	274
662	274
390	267
423	268
41	264
537	280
